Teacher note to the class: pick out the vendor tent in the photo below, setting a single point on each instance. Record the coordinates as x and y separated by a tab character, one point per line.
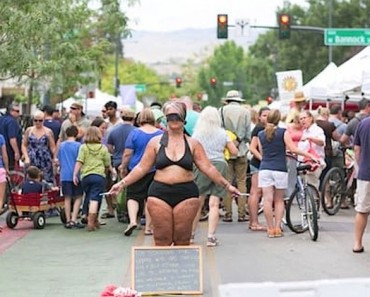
349	75
317	88
93	106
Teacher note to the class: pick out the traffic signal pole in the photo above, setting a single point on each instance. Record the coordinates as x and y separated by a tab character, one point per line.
292	27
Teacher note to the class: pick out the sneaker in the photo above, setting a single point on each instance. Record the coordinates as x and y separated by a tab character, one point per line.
212	241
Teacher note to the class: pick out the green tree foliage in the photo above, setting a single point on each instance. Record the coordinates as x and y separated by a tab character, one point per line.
50	42
130	72
227	65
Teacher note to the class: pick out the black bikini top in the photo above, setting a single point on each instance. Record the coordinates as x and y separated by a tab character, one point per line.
162	161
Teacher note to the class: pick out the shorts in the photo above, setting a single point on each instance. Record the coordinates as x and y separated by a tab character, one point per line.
253	169
71	190
93	186
268	178
173	194
206	185
363	196
2	175
139	191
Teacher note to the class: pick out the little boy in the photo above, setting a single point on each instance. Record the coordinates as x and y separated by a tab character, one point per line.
33	181
67	156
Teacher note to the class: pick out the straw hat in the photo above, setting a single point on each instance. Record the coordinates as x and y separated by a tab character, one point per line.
299	97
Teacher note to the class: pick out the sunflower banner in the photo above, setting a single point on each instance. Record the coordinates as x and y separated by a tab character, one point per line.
288	83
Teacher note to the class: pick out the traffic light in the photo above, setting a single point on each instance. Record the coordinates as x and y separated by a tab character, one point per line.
222	26
178	82
284	25
213	82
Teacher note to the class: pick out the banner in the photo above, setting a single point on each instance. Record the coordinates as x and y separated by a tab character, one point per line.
128	94
288	83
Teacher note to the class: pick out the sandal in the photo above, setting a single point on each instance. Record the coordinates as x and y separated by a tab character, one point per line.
148	232
129	230
107	215
257	228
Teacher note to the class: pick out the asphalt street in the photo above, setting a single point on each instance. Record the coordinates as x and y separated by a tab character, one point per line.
66	263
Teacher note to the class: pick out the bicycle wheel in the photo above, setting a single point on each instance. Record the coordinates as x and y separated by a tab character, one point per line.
295	216
311	215
316	195
332	193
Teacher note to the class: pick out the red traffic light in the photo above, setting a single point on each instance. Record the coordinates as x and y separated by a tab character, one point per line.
213	81
178	81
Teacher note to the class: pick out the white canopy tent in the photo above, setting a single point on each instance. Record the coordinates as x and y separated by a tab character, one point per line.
93	106
317	87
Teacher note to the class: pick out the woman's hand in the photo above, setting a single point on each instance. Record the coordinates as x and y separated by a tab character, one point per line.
27	160
233	190
116	188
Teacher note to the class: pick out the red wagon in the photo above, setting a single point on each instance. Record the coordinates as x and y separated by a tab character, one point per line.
34	206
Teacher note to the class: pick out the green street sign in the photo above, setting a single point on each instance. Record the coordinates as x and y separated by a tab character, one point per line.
347	37
140	88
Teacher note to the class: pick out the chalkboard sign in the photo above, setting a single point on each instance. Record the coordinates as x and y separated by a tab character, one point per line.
171	270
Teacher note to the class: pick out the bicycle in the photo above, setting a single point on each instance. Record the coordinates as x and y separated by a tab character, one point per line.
301	208
338	184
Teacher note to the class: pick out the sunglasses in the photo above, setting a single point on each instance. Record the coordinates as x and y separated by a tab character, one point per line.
16	110
73	108
38	121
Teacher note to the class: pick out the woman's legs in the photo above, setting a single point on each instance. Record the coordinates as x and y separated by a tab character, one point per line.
253	202
279	208
148	221
214	203
162	220
268	197
197	217
133	208
183	217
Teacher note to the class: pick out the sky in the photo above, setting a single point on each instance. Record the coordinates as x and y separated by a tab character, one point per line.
171	15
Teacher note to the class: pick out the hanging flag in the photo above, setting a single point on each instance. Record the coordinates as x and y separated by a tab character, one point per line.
128	94
288	83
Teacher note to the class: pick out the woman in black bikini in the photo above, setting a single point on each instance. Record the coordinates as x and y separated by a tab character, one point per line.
173	196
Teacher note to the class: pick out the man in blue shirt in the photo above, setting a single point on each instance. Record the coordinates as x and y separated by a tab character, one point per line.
11	130
50	123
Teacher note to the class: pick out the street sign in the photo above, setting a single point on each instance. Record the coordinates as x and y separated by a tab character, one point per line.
347	37
140	88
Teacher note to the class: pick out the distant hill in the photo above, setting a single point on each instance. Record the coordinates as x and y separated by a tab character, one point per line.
166	51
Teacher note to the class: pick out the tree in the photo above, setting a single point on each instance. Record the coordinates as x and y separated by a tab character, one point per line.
49	42
227	65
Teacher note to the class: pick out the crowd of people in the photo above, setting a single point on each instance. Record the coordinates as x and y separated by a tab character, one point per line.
164	163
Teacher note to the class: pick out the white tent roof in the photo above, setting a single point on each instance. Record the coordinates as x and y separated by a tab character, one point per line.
349	75
93	106
317	87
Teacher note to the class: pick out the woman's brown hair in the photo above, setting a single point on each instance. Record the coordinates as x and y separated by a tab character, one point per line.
273	120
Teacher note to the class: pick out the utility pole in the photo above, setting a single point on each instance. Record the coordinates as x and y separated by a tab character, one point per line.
330	26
